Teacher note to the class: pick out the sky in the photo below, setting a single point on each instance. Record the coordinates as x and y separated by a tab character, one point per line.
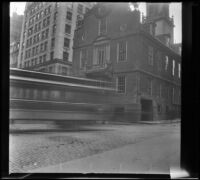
175	10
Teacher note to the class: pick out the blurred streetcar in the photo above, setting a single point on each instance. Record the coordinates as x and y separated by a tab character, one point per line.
36	96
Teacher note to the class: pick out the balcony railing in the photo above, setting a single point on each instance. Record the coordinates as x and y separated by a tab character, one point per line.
97	67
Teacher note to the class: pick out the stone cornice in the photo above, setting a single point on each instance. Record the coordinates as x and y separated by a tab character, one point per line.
151	74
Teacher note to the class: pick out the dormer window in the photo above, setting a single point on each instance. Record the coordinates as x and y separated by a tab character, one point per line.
102	26
150	55
151	29
123	27
83	37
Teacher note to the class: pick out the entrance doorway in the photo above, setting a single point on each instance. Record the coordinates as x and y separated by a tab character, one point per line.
147	110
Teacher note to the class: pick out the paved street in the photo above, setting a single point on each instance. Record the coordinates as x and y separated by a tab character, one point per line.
100	148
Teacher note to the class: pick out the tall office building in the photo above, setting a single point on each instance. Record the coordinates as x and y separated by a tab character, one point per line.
15	27
14	52
47	35
15	33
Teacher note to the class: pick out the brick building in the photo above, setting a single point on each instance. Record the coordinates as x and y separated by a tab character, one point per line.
47	35
114	44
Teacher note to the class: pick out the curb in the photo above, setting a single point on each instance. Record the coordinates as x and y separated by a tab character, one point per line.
81	128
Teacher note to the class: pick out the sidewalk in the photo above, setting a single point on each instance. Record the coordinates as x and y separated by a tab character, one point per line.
147	122
52	127
161	121
155	155
31	127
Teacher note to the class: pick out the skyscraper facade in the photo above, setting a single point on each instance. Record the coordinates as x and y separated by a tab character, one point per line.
47	35
15	33
15	27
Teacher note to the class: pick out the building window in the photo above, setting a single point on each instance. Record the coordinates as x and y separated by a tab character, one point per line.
52	42
166	62
66	42
41	47
101	55
67	28
159	108
69	6
69	15
39	25
45	46
49	10
179	70
37	16
121	84
167	41
32	62
38	37
86	10
168	92
55	16
122	51
29	53
37	49
51	69
79	21
46	33
54	29
40	60
33	51
150	87
159	60
41	14
64	70
44	57
65	56
56	5
83	58
34	39
123	27
173	68
48	20
173	95
26	54
151	29
30	31
45	12
22	56
43	35
102	26
27	43
30	41
80	8
160	90
35	29
51	55
150	55
44	23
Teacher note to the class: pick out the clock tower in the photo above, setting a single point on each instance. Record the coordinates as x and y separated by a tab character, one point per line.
158	15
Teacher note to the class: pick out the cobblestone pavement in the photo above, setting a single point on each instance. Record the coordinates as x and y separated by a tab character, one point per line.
28	151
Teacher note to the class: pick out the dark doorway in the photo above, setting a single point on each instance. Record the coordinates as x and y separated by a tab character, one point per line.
147	110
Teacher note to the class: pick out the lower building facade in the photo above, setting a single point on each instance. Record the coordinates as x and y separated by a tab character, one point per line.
146	72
